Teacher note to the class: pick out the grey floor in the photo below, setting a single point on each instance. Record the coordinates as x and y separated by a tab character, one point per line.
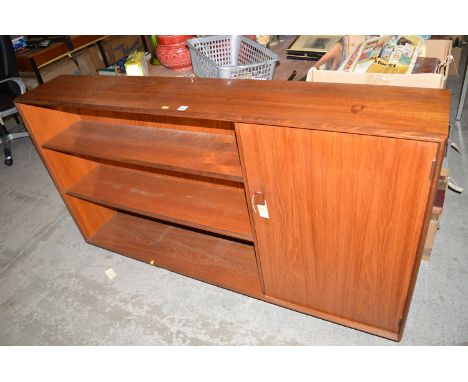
53	289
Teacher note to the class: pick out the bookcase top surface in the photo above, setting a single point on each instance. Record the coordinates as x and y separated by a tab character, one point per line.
400	112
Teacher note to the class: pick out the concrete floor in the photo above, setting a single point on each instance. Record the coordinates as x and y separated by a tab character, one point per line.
53	289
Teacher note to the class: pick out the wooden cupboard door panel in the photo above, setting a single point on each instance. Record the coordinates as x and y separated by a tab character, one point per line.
345	218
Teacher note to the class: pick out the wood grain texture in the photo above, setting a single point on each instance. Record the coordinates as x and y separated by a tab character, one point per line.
64	170
362	109
212	259
212	207
345	218
205	154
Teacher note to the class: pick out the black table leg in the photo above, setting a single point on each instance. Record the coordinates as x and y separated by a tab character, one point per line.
145	45
103	54
36	71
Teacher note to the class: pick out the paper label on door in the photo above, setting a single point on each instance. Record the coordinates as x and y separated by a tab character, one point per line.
263	210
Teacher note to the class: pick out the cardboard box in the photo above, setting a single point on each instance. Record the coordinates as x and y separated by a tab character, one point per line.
117	47
434	48
457	43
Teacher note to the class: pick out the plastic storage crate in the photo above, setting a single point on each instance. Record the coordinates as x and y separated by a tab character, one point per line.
231	57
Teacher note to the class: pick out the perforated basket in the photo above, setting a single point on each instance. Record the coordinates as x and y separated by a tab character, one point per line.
231	57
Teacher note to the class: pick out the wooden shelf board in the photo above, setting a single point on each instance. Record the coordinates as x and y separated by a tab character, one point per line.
422	113
212	207
212	259
206	154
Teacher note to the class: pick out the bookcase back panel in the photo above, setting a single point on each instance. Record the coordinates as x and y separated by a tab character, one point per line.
181	123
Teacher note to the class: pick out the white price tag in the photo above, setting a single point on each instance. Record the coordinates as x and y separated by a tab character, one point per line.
110	274
263	210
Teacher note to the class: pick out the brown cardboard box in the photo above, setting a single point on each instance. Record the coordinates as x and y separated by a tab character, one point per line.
117	47
434	48
457	41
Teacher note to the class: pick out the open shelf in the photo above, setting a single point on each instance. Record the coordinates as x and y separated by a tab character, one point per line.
206	154
212	207
216	260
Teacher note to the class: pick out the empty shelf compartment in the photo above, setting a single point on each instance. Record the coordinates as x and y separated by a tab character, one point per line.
200	153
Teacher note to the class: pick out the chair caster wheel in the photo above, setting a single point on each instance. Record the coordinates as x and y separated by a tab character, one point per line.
8	161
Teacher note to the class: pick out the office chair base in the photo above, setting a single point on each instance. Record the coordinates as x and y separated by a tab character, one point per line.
8	158
5	139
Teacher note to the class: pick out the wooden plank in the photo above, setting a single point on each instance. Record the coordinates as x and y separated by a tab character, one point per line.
204	154
213	207
430	238
362	109
218	261
343	230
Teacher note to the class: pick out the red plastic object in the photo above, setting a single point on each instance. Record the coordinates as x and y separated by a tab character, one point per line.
173	53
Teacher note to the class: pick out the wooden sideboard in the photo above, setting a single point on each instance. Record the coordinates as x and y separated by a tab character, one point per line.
316	197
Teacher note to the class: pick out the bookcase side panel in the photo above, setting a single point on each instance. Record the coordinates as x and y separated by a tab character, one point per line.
65	170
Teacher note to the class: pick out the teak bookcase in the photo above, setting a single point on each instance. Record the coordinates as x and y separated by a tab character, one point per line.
316	197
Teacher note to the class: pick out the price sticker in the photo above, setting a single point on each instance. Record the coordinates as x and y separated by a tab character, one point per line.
263	210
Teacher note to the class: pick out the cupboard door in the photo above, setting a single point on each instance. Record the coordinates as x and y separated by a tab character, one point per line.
343	215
